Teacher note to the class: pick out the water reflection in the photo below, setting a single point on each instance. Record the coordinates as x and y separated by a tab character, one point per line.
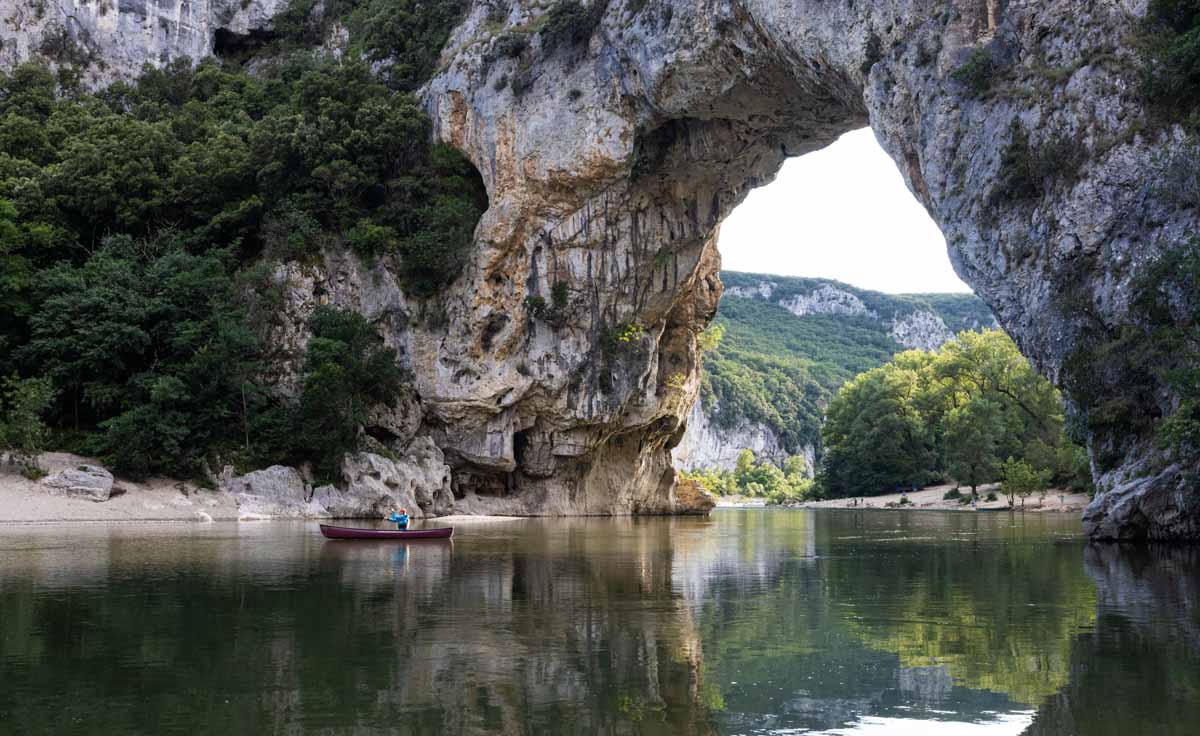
1138	670
752	622
531	628
854	619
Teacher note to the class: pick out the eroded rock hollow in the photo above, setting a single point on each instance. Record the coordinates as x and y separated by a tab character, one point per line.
613	140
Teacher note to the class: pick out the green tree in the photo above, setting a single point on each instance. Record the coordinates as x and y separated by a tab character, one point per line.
874	437
347	371
745	463
1020	479
795	467
23	434
957	410
151	348
972	437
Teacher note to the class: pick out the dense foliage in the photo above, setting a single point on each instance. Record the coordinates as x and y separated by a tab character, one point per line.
23	434
138	226
1172	74
758	479
401	38
960	411
347	371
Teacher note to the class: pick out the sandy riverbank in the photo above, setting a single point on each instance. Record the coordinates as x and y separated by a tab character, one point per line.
25	501
931	499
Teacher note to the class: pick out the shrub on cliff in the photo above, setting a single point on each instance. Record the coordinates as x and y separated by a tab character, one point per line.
403	38
570	23
347	371
1027	172
1147	374
977	72
1172	71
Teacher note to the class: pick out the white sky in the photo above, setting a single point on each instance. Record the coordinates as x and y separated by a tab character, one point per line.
841	213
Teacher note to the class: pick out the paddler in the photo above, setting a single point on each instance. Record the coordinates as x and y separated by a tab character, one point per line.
400	516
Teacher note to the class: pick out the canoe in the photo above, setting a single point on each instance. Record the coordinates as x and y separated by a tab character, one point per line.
343	532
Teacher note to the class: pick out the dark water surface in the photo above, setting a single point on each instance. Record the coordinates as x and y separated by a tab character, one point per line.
751	622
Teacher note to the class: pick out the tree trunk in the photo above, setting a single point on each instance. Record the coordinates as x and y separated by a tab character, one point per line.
245	420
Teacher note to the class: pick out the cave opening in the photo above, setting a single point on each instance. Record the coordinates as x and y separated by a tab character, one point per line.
240	47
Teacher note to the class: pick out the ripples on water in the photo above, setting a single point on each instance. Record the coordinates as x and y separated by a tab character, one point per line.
751	622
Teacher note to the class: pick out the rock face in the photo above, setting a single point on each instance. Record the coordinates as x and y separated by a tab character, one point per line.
826	300
419	481
277	491
372	485
85	481
610	158
920	330
1145	501
113	39
707	445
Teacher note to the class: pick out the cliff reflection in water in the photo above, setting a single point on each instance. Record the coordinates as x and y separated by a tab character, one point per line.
566	628
1138	670
753	622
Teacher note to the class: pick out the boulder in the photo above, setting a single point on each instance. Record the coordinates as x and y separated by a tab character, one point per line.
692	498
83	481
419	480
277	491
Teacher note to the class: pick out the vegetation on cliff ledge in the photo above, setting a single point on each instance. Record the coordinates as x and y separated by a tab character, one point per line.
1172	71
1145	375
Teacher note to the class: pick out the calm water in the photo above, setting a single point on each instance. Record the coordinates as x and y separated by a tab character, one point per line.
751	622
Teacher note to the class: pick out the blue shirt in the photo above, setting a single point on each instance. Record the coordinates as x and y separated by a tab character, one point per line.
400	519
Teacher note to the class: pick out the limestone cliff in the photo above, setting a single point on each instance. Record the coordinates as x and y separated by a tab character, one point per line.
707	445
915	327
113	39
614	137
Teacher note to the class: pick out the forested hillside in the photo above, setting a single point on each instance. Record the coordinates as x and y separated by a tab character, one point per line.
140	226
788	344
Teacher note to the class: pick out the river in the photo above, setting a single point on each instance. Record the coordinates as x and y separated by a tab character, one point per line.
748	622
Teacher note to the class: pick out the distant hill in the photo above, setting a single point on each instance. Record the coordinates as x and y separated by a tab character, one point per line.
789	344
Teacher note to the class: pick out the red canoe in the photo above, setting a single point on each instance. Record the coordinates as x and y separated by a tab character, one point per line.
343	532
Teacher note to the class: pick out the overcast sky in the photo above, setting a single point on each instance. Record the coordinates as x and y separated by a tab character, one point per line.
842	213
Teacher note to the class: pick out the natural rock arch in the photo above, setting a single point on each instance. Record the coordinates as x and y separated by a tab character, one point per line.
611	158
613	137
